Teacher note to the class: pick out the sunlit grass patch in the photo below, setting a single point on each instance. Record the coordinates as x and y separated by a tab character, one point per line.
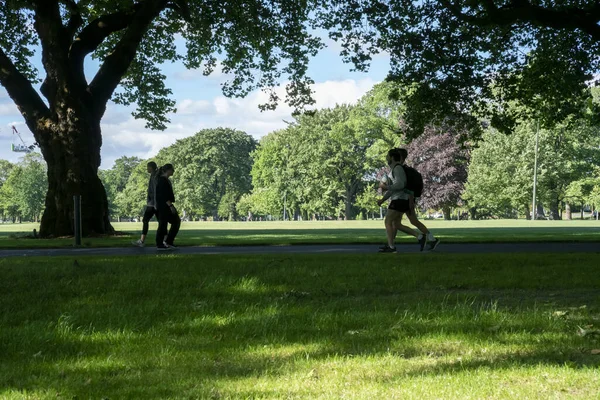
321	232
302	326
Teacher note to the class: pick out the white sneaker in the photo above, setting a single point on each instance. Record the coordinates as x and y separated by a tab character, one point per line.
138	243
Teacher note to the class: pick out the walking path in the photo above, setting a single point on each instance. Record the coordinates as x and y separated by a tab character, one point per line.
313	249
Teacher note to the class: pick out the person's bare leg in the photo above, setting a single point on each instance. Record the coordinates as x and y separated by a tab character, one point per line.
417	224
400	227
390	230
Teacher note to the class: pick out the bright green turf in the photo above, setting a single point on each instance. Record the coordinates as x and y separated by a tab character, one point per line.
304	326
278	233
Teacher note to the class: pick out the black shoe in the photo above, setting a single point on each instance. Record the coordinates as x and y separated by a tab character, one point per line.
388	249
383	247
162	247
173	247
432	245
422	242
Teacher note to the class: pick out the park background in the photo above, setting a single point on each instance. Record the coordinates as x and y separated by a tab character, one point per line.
313	322
326	166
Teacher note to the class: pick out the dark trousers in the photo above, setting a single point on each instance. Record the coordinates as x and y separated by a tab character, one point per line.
148	214
165	217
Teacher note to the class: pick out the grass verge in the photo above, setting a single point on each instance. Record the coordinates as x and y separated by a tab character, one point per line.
329	232
302	326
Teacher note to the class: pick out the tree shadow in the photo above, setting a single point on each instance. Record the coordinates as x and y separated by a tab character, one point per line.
157	330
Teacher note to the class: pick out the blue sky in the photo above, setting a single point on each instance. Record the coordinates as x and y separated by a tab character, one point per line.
201	104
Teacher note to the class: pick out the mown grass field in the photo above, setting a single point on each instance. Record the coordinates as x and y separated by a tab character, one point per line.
374	326
329	232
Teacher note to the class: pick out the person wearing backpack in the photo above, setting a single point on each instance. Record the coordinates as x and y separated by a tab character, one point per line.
414	188
405	185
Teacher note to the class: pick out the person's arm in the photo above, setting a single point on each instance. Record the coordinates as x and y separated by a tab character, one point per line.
171	197
386	195
400	180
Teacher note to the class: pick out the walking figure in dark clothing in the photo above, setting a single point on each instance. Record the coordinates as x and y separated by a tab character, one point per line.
167	213
150	203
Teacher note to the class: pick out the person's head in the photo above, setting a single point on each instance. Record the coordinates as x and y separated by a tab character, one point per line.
403	155
167	170
394	155
151	167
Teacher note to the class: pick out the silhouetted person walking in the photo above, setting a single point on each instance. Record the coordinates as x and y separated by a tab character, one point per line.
167	213
150	203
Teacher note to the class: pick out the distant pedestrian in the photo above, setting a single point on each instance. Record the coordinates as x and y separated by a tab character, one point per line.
402	202
167	213
150	210
426	238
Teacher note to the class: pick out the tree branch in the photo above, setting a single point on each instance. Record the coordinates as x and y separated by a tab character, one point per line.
182	7
99	29
48	25
522	11
75	21
93	35
20	90
116	64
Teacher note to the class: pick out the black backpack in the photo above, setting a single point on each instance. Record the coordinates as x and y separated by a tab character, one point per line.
414	180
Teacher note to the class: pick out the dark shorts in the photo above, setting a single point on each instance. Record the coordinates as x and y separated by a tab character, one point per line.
400	206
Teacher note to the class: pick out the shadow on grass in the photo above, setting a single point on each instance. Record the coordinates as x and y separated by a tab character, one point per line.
233	237
189	326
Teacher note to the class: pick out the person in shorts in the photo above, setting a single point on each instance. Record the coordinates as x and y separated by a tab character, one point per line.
402	202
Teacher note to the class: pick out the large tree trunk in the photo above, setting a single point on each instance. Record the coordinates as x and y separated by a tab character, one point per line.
72	152
554	210
446	210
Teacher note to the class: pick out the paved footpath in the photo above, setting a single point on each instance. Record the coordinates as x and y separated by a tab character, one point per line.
312	249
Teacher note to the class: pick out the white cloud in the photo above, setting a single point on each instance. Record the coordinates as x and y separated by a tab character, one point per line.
116	114
8	109
123	135
195	107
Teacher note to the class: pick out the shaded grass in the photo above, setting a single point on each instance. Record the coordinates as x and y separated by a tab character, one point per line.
329	232
302	326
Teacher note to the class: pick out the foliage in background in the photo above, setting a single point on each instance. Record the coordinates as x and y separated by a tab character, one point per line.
212	171
23	188
318	165
501	171
443	162
463	60
115	181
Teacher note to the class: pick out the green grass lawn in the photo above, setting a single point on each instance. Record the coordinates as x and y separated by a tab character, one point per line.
373	326
308	232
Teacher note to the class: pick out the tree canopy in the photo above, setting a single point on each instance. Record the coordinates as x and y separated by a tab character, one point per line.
463	59
501	171
261	43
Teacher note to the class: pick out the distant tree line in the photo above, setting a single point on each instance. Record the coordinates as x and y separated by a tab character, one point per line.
23	189
326	165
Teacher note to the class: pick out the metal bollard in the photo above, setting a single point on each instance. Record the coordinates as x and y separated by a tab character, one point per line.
77	218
